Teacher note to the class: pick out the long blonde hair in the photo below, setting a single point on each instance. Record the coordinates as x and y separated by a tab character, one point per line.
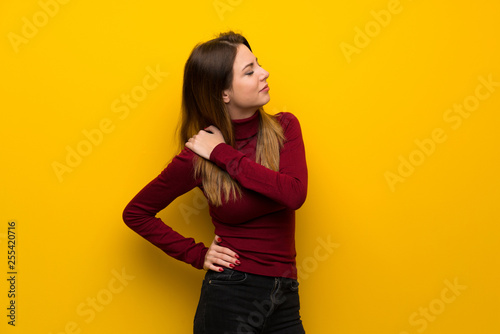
207	73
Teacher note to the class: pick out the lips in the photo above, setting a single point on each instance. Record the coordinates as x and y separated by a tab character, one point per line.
266	87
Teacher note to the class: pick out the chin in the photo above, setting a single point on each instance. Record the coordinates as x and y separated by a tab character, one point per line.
261	105
266	101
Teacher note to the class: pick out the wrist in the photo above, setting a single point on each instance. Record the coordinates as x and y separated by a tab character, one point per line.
215	151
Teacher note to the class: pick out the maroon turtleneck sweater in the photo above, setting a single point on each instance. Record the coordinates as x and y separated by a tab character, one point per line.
259	227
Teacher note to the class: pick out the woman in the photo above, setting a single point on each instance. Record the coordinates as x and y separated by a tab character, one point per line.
251	167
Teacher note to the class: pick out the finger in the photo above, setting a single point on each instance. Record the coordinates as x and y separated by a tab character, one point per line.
223	254
217	264
217	239
215	268
208	265
212	129
208	130
214	256
226	251
222	263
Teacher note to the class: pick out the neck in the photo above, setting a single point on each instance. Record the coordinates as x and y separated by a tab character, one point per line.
245	128
241	114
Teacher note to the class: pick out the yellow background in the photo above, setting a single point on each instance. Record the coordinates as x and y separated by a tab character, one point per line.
396	245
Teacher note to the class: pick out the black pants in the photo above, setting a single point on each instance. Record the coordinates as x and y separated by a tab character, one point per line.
233	302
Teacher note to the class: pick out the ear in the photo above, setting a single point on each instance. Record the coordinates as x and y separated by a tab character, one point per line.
226	97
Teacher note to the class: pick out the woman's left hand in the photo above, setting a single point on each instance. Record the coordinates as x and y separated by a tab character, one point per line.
204	142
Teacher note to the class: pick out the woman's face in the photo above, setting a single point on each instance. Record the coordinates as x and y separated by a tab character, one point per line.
249	90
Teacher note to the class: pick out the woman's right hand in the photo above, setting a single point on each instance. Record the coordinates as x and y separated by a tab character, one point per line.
222	256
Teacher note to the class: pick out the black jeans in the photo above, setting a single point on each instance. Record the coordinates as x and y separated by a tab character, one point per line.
233	302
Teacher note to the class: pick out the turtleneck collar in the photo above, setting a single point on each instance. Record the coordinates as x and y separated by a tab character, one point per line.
246	127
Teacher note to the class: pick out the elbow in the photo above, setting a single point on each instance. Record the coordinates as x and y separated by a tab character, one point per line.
127	216
130	217
297	203
297	198
136	217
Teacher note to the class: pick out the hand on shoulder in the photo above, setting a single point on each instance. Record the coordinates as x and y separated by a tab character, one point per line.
205	141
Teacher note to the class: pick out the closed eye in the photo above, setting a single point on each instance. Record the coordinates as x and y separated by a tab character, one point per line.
251	65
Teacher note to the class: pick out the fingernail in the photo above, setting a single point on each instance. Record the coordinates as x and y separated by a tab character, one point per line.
219	239
231	265
237	262
236	256
221	269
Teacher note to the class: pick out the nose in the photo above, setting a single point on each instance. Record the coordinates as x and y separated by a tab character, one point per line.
265	74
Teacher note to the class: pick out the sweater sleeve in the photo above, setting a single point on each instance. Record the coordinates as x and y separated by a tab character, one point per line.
140	214
288	186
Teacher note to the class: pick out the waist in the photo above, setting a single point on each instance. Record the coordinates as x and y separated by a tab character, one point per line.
235	276
266	246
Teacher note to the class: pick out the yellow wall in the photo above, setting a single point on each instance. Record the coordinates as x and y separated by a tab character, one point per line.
399	233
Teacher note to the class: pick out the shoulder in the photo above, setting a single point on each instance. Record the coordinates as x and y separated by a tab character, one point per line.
182	163
288	121
179	172
285	118
186	155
